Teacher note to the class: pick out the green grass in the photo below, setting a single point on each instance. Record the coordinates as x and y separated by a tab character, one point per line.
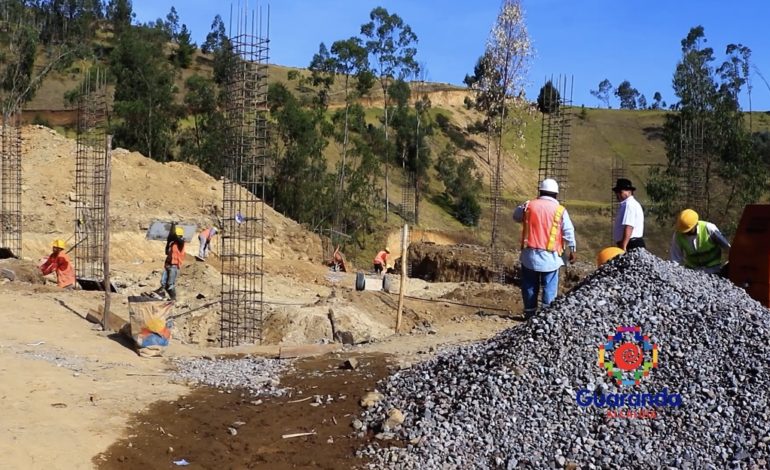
632	137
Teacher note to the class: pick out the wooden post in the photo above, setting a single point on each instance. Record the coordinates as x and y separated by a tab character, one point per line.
402	284
106	200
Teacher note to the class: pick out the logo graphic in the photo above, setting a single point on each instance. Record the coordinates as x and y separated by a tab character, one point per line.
628	355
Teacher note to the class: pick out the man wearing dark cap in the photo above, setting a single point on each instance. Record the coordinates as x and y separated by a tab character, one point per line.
628	228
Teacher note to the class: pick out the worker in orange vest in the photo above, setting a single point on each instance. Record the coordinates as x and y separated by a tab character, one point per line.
381	260
546	228
338	261
59	262
205	239
174	258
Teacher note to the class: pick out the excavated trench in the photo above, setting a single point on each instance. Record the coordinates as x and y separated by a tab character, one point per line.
472	263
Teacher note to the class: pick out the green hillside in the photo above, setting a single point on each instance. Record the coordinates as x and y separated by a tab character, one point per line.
596	136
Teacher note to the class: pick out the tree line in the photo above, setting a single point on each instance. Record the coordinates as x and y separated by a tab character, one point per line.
710	134
150	117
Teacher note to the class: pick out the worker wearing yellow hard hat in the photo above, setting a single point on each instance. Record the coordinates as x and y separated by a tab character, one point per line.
697	244
607	254
175	253
59	262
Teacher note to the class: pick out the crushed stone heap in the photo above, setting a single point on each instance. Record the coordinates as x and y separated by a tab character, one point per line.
535	396
260	376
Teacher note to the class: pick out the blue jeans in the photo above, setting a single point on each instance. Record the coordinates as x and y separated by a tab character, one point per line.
168	279
530	287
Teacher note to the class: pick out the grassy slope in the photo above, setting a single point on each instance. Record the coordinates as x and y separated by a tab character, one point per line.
633	136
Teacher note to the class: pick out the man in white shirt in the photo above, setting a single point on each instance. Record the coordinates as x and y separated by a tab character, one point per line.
628	228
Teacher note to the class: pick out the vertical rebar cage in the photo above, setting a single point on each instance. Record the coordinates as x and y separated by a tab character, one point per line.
90	178
555	134
618	171
244	183
10	185
693	165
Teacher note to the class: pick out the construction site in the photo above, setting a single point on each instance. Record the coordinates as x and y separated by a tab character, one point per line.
156	316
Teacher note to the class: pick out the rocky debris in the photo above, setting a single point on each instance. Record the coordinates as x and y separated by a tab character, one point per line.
371	399
395	418
258	375
350	364
512	401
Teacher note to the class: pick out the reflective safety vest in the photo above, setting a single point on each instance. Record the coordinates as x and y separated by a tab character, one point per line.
705	253
176	255
542	226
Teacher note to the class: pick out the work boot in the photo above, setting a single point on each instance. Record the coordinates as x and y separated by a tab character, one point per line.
529	314
172	294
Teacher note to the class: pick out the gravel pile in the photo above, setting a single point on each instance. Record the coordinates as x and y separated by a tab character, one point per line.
258	375
511	401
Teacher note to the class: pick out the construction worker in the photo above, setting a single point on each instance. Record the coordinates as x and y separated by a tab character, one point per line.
381	260
546	228
174	258
628	228
338	261
59	262
205	240
698	244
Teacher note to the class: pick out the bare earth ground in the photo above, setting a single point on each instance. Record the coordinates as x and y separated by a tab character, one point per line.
73	397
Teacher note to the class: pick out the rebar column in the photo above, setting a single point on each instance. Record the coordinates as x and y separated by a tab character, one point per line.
90	179
10	185
618	171
555	134
693	168
245	159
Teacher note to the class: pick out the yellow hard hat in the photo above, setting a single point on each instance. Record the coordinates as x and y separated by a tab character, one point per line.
607	254
59	244
179	231
687	219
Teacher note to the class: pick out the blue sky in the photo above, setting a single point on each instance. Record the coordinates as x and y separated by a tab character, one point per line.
590	39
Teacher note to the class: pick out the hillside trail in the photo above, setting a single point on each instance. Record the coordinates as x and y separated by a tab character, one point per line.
68	391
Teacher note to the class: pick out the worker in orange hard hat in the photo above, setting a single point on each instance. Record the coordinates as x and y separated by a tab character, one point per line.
59	262
607	254
547	230
381	260
698	244
175	254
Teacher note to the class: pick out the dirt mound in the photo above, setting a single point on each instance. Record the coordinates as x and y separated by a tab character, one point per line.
23	271
142	190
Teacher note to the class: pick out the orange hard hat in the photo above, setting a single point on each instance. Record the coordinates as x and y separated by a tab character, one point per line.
607	254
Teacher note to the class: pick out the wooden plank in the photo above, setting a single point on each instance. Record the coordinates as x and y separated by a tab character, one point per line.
307	350
115	324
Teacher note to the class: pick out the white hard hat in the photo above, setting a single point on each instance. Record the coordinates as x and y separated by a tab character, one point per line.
549	185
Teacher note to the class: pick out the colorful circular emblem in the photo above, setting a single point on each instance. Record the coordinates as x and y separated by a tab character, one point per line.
628	355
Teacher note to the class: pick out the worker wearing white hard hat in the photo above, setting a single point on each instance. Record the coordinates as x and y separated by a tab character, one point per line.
547	228
205	238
